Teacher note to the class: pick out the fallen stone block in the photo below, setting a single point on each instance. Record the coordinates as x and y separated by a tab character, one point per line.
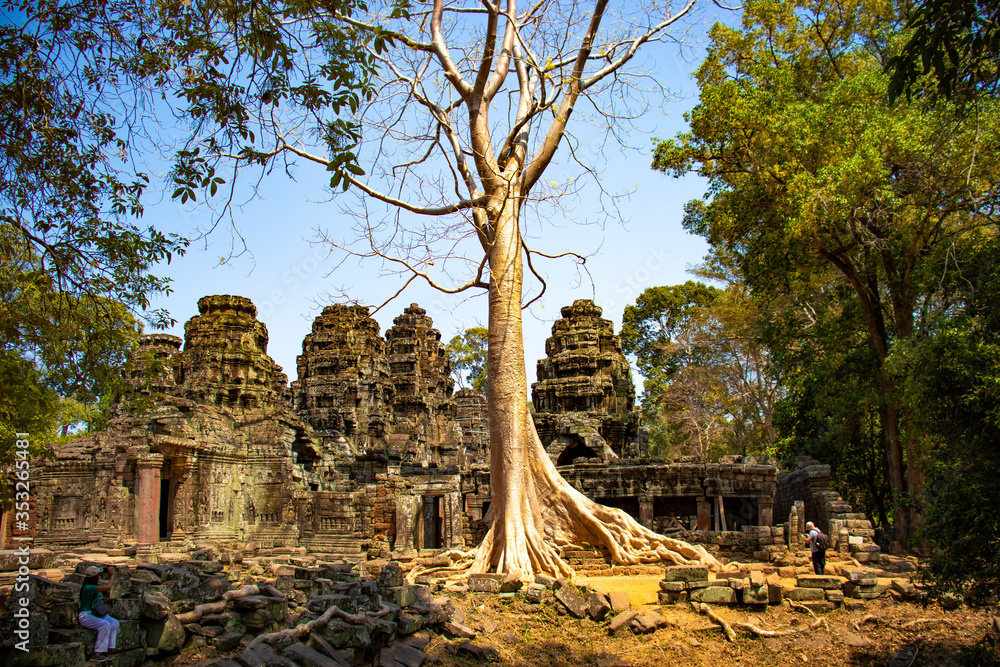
485	583
647	622
758	595
227	641
713	595
308	657
52	655
166	634
459	630
621	620
818	581
401	654
803	594
535	592
598	606
685	573
574	604
619	601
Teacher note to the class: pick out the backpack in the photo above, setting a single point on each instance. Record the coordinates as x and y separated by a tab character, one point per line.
822	540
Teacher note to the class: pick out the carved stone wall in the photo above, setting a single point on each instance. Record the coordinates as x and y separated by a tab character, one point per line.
584	398
421	376
344	386
225	360
471	418
377	454
220	455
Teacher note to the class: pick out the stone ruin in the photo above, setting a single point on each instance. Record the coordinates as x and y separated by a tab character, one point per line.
584	399
369	454
214	473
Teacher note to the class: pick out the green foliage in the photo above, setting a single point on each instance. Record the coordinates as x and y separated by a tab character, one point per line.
952	381
832	410
467	352
86	90
816	181
708	389
956	42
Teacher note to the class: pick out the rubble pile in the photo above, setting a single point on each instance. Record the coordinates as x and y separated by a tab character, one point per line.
306	613
845	582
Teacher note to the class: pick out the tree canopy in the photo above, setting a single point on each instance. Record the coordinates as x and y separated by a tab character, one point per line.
467	351
815	178
956	43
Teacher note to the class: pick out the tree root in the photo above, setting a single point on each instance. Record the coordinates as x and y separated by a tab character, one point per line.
705	609
867	619
363	619
219	606
919	621
727	627
543	513
455	563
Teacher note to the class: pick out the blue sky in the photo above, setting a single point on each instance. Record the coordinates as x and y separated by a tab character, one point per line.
290	280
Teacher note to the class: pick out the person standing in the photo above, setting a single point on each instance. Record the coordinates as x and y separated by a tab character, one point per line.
90	618
818	550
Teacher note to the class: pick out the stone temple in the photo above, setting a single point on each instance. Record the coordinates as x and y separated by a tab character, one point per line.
370	454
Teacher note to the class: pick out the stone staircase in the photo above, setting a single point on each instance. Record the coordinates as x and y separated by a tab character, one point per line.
329	548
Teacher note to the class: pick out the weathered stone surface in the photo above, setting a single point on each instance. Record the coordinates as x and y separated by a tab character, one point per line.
818	581
52	655
759	595
308	657
598	606
647	622
686	573
535	592
391	575
38	559
166	634
621	620
459	630
154	606
226	641
401	654
803	594
619	601
485	583
584	399
574	603
713	595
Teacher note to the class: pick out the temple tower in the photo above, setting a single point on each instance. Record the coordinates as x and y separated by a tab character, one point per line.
584	399
344	386
421	375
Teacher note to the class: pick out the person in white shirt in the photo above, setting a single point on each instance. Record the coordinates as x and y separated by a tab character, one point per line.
818	552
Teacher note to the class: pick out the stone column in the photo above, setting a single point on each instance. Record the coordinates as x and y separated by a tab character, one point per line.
704	514
454	505
147	498
765	511
646	513
405	506
182	468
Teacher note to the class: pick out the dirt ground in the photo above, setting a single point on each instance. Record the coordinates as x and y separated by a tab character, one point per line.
884	633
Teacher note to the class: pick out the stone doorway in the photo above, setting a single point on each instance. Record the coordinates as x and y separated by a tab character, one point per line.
430	523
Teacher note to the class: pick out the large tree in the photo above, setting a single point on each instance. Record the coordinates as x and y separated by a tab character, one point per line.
475	102
814	174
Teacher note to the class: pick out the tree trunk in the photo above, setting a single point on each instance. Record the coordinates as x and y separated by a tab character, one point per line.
534	511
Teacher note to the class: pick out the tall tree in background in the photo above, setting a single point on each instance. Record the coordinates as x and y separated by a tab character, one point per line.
468	355
709	384
812	172
476	100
